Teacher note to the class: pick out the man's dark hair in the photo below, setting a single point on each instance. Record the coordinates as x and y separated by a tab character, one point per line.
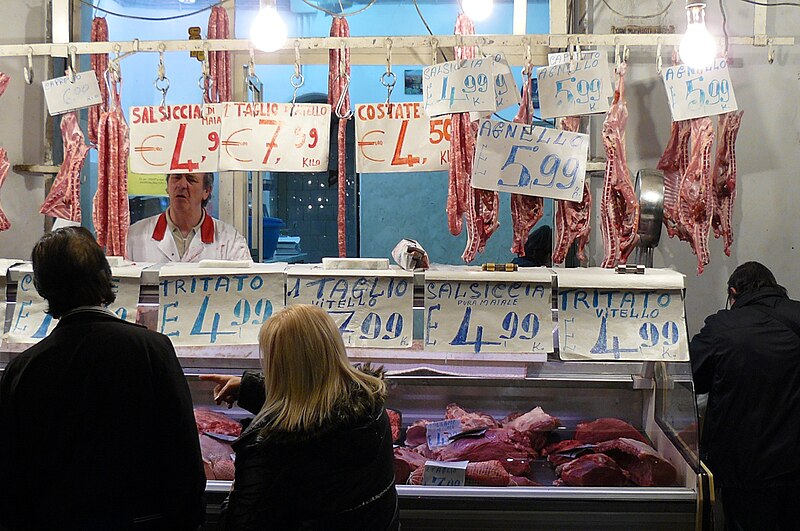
539	246
752	276
208	184
70	270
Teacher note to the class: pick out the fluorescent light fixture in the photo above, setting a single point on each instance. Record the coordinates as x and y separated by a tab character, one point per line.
477	9
268	31
697	49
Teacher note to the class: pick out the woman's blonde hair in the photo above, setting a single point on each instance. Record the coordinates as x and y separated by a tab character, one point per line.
306	371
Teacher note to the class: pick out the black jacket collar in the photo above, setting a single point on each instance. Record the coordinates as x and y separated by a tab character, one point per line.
763	297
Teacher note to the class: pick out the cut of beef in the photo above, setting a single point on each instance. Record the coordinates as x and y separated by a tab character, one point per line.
469	421
485	473
565	451
405	462
395	421
605	429
217	460
536	424
213	422
509	446
595	470
644	466
416	434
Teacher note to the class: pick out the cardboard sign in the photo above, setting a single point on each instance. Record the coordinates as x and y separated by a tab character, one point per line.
272	137
372	308
468	310
459	86
606	316
175	138
445	474
29	323
571	88
217	306
399	137
438	433
697	93
63	95
505	87
126	281
530	160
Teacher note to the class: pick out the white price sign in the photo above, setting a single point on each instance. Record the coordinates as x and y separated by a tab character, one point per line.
399	137
438	433
505	87
5	265
371	308
445	474
459	86
175	138
125	283
273	137
473	311
530	160
697	93
217	306
64	95
29	323
605	316
571	88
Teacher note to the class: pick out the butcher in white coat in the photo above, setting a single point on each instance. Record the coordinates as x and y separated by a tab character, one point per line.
185	232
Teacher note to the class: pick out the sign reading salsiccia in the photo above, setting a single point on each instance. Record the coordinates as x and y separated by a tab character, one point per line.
459	86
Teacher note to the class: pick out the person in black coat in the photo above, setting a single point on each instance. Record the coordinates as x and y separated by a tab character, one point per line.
747	359
318	455
96	422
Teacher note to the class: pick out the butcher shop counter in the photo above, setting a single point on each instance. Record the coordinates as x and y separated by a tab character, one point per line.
656	398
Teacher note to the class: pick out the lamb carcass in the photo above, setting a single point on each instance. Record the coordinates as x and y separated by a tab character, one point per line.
673	164
725	177
573	219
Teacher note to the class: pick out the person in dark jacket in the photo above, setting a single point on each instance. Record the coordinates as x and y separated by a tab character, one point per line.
747	359
318	455
96	424
538	249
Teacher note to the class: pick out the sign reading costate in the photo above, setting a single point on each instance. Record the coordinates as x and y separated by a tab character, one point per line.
606	316
218	306
373	308
471	311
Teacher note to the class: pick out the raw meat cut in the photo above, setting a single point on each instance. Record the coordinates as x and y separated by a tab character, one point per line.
725	177
573	219
605	429
405	462
211	421
521	481
99	62
594	470
696	195
469	421
4	166
218	85
486	473
673	164
217	461
339	98
536	424
416	434
509	446
110	214
526	210
64	199
396	422
619	208
644	466
566	451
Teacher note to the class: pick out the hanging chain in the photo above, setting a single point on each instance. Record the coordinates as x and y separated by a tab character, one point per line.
388	78
297	78
161	83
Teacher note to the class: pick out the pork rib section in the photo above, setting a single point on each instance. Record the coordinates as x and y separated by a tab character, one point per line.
725	177
64	199
696	195
573	219
619	208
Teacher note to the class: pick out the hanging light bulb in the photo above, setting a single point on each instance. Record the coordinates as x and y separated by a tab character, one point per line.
697	49
268	31
477	9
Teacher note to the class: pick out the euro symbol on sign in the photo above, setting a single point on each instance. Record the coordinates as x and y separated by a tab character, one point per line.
229	143
365	142
144	148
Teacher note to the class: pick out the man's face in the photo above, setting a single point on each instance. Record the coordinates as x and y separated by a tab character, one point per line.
186	191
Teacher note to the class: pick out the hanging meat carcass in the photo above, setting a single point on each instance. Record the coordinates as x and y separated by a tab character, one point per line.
110	213
218	86
64	199
339	98
573	219
5	224
673	164
725	177
526	210
99	62
619	209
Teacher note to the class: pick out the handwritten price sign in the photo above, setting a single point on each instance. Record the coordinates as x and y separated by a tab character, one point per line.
697	93
571	88
474	312
398	138
63	95
630	319
445	474
459	86
204	307
270	137
30	323
125	283
372	308
175	138
532	160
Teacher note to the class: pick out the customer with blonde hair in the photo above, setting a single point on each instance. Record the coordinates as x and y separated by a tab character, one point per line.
319	453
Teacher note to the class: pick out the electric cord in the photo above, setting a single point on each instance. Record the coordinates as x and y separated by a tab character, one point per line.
152	19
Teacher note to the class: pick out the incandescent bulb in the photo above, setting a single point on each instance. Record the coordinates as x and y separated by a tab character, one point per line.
697	49
268	31
477	9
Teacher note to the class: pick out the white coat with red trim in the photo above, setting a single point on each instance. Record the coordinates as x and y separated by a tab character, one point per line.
149	240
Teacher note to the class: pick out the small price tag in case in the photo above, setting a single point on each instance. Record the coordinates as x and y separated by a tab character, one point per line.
438	433
64	95
445	474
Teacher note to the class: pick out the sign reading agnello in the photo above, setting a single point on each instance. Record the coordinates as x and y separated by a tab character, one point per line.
603	315
472	311
217	306
373	308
